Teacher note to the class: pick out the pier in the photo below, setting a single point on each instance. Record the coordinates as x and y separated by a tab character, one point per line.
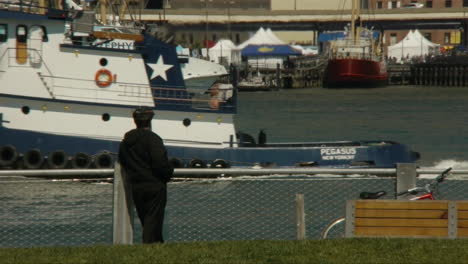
440	74
399	74
300	72
308	72
448	71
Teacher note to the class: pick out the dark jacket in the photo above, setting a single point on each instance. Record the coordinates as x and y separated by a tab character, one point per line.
144	157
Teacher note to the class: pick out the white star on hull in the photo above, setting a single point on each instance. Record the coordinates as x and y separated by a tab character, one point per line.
159	68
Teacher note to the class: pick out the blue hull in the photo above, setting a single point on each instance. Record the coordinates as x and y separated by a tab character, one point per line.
338	154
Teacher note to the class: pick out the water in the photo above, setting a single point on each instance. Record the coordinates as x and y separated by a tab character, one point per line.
431	120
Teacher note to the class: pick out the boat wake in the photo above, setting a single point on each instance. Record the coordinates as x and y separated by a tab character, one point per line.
444	164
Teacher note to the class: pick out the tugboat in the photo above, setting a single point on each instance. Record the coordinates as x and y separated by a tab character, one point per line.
66	102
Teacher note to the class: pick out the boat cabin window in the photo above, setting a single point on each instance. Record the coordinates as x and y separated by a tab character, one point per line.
44	34
21	33
38	33
3	33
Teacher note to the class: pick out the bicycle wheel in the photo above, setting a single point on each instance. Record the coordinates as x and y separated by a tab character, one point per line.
335	229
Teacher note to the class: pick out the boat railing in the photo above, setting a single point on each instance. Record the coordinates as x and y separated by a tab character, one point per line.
181	97
122	92
355	55
35	61
32	7
105	41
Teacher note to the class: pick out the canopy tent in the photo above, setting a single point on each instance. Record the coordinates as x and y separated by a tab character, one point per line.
273	37
221	51
269	51
268	56
264	46
262	37
413	45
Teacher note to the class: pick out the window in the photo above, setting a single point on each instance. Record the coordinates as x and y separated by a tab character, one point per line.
38	33
21	33
448	3
21	44
429	3
465	3
3	32
379	5
365	5
446	38
45	38
428	36
394	4
393	38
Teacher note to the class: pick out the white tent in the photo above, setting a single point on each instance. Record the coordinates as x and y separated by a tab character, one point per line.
273	37
221	52
413	45
261	37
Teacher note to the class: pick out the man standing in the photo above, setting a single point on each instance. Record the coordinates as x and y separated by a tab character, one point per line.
143	156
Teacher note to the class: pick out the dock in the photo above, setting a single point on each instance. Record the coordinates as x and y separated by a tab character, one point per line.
300	72
308	72
399	74
441	72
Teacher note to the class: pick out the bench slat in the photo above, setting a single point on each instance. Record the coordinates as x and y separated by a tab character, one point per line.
398	218
401	231
462	223
462	205
394	204
390	222
382	213
462	232
462	214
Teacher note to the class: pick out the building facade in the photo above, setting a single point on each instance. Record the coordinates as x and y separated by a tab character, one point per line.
229	19
436	4
309	5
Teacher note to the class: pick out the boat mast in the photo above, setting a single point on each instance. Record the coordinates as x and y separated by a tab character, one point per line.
353	19
103	11
358	19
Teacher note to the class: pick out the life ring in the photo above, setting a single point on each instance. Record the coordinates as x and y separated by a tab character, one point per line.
103	78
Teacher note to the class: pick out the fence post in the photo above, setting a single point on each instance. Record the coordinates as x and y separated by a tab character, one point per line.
300	217
406	178
452	219
122	208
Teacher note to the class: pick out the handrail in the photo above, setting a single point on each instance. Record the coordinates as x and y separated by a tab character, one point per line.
29	65
29	8
4	53
230	171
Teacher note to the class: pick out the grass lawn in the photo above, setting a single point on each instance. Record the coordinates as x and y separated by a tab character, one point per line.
309	251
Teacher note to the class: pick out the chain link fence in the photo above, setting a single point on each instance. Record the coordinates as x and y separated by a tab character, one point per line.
70	213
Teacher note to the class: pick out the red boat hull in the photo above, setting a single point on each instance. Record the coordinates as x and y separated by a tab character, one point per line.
355	73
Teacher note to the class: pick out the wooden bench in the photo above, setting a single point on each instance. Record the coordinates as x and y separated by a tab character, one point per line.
412	219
